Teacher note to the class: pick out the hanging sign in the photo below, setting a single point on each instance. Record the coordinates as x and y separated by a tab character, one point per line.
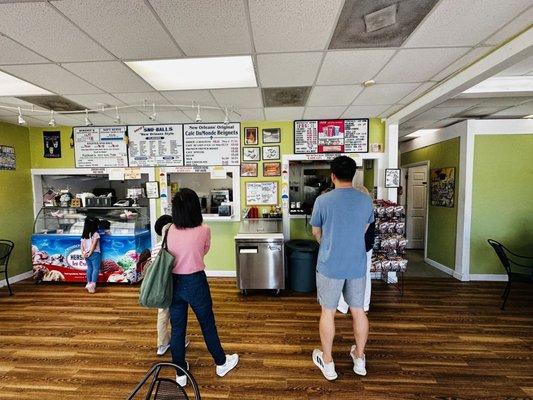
52	144
155	145
212	144
331	136
100	147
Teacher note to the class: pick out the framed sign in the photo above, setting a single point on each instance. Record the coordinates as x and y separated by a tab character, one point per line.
7	158
251	136
331	136
100	147
392	178
271	169
251	154
212	144
270	152
152	189
155	145
52	144
261	193
442	187
249	170
271	135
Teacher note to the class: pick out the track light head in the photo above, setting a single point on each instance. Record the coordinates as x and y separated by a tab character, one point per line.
226	118
198	116
153	117
52	121
88	122
117	116
21	120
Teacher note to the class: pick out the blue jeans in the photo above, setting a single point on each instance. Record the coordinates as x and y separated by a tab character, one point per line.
193	290
93	266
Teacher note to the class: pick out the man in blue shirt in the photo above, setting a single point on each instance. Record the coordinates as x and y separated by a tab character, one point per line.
340	219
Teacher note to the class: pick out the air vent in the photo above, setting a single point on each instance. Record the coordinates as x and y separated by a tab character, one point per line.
381	18
286	97
56	103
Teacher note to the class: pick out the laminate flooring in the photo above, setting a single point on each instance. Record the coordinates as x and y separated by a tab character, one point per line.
443	340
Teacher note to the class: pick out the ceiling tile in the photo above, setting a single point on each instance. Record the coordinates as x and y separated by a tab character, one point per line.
503	101
206	27
418	65
168	117
364	111
464	22
94	101
248	97
419	91
52	77
341	95
460	102
16	102
391	110
140	36
437	113
186	97
132	117
293	25
515	26
289	69
524	67
462	62
251	114
324	112
352	66
14	53
141	97
478	111
283	113
518	111
44	30
111	76
384	94
208	115
446	122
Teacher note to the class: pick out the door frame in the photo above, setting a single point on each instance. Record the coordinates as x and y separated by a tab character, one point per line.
405	168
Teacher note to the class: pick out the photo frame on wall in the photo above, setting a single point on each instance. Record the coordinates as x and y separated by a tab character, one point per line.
249	170
271	169
251	136
152	189
271	135
442	191
392	178
251	154
271	153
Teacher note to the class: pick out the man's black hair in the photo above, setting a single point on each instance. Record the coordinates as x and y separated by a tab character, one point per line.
186	209
343	167
161	222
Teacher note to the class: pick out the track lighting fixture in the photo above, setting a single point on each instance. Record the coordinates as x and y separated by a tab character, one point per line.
226	118
21	120
52	121
153	117
198	116
88	122
117	116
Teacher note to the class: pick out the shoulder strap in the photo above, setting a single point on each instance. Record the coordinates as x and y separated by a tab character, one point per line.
164	243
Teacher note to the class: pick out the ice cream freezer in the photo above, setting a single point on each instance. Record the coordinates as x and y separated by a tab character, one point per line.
260	258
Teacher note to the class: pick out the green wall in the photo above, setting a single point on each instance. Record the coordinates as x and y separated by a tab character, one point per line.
502	199
442	221
37	151
16	200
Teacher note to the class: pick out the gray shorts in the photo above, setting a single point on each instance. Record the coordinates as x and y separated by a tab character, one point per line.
329	291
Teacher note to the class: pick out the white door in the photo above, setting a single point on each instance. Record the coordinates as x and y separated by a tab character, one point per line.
416	206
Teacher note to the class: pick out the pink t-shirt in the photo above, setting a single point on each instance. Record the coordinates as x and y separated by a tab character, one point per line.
88	243
188	246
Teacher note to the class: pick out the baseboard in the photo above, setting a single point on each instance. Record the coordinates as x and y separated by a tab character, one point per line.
16	278
438	265
489	277
221	274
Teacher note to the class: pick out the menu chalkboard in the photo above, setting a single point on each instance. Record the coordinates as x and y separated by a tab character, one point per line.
155	145
212	144
100	147
331	136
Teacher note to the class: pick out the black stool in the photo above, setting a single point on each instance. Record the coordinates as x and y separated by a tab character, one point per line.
6	247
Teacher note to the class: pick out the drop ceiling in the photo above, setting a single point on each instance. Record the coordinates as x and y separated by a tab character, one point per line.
77	49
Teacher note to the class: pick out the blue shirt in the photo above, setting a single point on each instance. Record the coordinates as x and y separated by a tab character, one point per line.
342	215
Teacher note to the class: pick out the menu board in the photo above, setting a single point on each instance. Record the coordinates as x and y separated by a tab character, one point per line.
212	144
331	136
261	193
100	147
155	145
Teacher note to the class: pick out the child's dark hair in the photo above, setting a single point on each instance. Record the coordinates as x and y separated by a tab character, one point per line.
343	167
161	222
89	227
186	209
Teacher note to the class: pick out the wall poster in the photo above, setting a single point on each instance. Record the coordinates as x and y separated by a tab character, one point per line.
52	144
442	187
331	136
261	193
212	144
7	158
155	145
100	147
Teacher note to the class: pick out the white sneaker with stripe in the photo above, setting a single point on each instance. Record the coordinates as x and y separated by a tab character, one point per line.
328	369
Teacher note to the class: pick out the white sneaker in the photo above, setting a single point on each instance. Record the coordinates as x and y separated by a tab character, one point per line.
161	350
328	369
359	364
182	380
231	362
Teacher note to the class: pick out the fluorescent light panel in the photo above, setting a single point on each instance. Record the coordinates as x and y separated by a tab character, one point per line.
12	86
197	73
420	132
502	84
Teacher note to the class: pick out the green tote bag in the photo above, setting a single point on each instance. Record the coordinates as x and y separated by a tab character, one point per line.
156	287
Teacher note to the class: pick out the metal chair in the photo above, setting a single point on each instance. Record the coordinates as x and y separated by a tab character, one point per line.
512	262
165	388
6	248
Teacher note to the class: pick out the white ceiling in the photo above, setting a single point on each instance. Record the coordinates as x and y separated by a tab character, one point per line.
76	48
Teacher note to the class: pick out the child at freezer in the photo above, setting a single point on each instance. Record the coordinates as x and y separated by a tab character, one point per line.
90	250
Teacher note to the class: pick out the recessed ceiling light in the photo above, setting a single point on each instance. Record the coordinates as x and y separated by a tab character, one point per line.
502	84
197	73
420	132
12	86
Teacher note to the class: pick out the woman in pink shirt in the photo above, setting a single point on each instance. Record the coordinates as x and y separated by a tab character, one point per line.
188	241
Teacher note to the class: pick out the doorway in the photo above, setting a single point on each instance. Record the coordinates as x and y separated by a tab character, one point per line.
416	206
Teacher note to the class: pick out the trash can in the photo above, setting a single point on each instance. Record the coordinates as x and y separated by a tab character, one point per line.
301	258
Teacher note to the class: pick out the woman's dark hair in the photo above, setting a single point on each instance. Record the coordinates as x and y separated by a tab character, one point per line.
186	209
89	227
161	222
343	167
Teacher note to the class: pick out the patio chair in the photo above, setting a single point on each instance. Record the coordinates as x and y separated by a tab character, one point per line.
6	248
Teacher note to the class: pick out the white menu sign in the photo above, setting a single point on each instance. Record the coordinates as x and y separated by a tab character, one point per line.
100	147
155	145
261	193
212	144
356	135
305	137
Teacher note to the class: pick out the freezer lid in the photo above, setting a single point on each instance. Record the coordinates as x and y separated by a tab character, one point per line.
259	236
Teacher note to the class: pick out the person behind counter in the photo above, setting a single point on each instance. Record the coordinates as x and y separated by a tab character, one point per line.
189	241
90	250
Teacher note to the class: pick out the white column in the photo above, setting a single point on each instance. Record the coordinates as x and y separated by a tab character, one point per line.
391	157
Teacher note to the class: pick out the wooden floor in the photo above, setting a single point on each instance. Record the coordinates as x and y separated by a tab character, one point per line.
445	339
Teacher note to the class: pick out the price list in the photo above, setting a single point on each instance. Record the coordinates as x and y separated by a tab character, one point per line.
212	144
305	137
